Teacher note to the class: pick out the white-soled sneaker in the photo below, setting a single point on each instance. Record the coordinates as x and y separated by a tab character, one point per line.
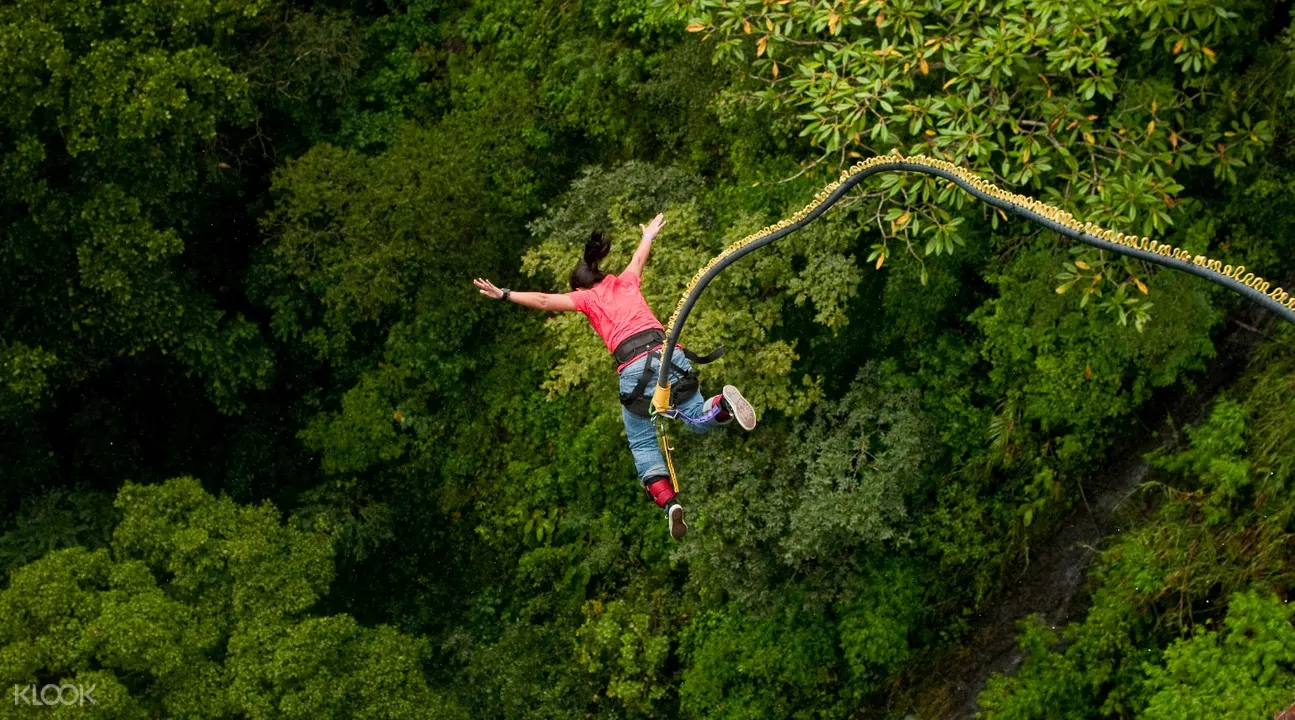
739	408
677	526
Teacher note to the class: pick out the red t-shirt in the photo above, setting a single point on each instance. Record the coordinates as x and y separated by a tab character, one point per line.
616	308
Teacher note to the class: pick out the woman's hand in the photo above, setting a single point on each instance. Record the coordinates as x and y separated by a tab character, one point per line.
645	245
652	228
488	289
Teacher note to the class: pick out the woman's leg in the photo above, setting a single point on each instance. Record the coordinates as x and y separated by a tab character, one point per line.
653	474
648	458
649	461
702	414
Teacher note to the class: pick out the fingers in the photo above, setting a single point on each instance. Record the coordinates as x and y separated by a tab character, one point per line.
653	227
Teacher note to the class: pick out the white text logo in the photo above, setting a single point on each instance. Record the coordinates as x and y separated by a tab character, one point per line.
53	695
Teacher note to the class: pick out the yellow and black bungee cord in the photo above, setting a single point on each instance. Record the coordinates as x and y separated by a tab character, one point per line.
1235	278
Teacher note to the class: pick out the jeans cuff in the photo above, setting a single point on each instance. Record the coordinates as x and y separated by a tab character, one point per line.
652	475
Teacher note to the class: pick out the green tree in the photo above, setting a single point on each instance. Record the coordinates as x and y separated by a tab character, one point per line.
202	608
111	118
53	520
1026	92
1244	670
744	667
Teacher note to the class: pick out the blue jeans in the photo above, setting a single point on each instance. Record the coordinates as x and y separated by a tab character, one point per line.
648	458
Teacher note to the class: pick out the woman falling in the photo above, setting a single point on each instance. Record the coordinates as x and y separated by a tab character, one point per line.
615	307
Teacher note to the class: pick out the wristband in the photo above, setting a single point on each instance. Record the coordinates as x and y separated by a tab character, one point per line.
507	292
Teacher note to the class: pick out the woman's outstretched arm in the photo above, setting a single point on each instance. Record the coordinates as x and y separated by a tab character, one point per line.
645	245
537	300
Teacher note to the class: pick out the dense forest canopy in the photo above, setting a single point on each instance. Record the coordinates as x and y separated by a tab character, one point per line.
265	452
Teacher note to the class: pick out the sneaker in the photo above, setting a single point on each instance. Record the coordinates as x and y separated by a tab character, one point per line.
677	525
739	408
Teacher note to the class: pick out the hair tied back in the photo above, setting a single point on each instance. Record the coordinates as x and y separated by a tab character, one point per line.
596	248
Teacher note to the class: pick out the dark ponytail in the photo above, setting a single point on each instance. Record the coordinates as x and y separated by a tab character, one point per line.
587	274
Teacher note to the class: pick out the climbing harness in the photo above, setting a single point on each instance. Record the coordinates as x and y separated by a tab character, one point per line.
637	344
1236	279
636	401
676	414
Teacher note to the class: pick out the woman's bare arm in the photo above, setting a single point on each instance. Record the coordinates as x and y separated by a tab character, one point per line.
540	301
645	245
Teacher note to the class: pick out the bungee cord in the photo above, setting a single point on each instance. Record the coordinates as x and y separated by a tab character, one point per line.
1235	278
